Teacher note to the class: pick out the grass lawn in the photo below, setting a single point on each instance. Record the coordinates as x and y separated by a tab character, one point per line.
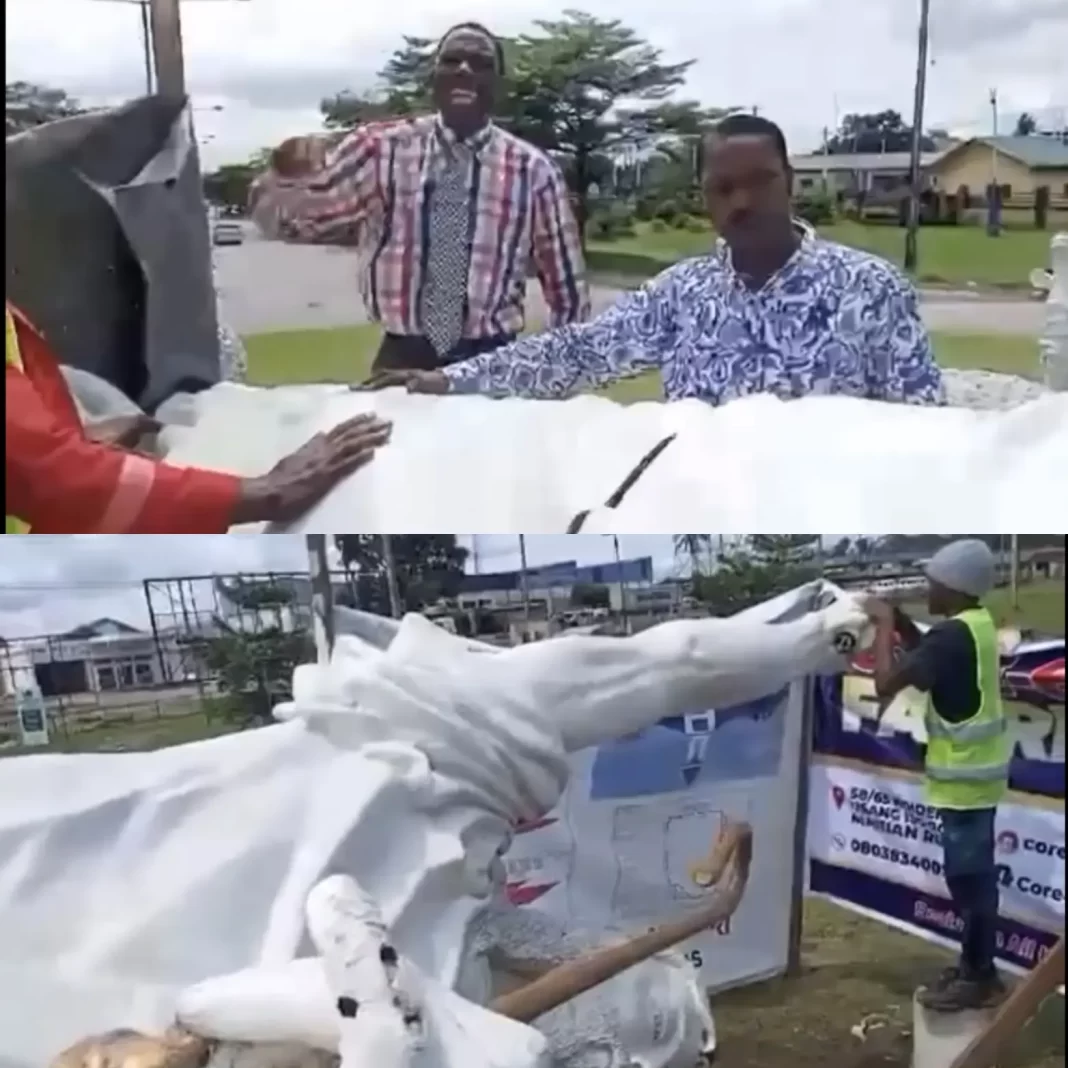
853	969
954	255
345	355
117	733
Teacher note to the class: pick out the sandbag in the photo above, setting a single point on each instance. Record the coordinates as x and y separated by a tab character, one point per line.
759	463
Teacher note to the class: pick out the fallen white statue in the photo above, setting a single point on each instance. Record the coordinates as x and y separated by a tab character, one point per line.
333	885
820	463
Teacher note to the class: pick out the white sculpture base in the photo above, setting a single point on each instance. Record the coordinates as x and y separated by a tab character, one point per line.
938	1038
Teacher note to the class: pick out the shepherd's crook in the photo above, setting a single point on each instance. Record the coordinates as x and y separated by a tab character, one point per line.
733	850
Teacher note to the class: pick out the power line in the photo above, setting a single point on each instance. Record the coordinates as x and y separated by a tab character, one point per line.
66	587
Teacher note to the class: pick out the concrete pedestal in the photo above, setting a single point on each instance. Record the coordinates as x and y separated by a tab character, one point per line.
938	1038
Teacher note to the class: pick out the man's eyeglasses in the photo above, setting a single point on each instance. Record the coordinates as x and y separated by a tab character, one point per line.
476	62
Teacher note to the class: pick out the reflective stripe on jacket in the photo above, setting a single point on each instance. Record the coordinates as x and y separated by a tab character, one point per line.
967	763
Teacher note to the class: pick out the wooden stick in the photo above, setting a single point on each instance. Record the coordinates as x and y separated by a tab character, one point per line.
1015	1011
734	849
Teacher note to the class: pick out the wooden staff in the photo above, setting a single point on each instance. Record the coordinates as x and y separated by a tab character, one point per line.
566	981
1015	1011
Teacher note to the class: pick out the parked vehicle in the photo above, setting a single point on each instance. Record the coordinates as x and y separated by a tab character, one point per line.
227	233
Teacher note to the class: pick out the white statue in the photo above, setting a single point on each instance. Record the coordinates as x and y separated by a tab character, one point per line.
188	884
1054	343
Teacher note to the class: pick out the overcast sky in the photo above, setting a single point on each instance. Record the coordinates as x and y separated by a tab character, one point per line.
49	584
267	63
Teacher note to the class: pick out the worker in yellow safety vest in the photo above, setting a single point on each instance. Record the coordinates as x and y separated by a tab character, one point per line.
957	665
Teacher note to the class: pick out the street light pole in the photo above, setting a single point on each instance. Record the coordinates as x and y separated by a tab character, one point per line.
146	45
915	178
389	562
525	584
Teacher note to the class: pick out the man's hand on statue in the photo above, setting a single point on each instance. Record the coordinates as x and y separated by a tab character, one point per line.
878	611
412	381
125	431
303	479
297	157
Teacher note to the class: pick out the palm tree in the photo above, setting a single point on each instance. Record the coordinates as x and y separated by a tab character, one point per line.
697	547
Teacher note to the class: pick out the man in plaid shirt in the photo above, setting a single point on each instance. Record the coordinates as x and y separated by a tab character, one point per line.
453	213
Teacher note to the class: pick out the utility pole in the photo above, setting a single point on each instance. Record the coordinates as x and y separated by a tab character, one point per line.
1014	571
622	586
915	177
525	585
993	209
390	563
165	18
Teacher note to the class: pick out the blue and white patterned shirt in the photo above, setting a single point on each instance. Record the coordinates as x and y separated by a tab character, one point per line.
832	320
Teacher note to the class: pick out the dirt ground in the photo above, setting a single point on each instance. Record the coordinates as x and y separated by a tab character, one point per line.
854	969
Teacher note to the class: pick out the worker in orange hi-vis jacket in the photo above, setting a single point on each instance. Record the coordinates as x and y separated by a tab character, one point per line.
63	478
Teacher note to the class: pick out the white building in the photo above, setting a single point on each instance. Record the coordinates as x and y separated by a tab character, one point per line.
101	656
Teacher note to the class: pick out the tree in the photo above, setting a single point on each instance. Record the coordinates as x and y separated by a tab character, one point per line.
347	110
255	670
574	89
1025	125
697	548
862	546
784	548
229	186
763	566
27	105
842	547
580	88
254	667
880	131
428	568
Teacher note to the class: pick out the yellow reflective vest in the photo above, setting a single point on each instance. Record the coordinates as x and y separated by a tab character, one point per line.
967	763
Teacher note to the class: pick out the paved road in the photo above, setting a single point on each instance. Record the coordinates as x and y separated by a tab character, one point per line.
268	285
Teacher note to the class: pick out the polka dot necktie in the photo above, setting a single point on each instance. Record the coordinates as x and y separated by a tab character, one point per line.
448	254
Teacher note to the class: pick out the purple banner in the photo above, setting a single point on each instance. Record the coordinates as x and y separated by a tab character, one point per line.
874	843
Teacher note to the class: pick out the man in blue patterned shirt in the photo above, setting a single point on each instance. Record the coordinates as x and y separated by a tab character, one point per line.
772	309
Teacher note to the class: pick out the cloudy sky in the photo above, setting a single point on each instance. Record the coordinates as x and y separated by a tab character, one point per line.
267	63
49	584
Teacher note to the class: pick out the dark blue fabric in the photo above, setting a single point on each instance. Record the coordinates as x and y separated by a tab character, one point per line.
972	880
968	840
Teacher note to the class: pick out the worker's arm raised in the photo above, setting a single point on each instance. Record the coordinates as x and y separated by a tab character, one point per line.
315	191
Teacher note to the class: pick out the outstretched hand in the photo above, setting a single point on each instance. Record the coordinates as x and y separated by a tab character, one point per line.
878	610
413	381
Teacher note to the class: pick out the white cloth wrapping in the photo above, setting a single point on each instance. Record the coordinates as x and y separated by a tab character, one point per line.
127	877
820	463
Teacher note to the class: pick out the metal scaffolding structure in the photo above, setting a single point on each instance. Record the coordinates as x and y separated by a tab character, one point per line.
190	611
217	647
